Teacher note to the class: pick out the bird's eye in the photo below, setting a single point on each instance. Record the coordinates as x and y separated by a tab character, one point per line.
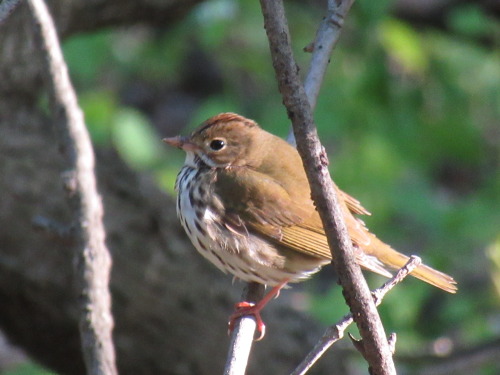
217	144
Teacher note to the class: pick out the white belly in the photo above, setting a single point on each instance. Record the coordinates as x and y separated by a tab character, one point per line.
246	256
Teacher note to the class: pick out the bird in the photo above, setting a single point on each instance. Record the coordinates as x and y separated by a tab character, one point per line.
244	201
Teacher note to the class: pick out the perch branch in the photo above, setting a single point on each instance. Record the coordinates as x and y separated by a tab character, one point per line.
92	260
326	39
243	334
336	332
356	292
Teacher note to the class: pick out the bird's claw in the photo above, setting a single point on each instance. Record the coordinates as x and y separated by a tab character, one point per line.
248	308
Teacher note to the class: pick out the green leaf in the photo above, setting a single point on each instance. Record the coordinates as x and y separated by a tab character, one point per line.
99	108
470	19
135	139
86	54
404	45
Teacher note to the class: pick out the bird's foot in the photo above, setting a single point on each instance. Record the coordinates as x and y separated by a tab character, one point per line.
248	308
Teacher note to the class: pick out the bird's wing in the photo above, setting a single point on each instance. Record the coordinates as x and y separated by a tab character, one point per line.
257	199
267	209
352	203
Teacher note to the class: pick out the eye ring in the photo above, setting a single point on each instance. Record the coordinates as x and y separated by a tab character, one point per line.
217	144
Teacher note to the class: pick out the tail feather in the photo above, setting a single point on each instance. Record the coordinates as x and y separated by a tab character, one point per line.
436	278
393	259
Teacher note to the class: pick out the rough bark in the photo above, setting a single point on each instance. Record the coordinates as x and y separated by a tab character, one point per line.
355	289
170	305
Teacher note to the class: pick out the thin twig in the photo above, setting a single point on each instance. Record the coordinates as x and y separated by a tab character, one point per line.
379	294
327	36
92	260
242	336
336	332
326	39
356	292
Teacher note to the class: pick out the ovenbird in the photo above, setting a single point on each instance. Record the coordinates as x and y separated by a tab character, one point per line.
245	203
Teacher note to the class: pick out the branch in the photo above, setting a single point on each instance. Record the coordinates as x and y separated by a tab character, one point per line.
327	36
326	39
243	334
356	292
92	260
336	332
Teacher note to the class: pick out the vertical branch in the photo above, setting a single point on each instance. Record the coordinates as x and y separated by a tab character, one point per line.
376	348
243	334
326	39
92	261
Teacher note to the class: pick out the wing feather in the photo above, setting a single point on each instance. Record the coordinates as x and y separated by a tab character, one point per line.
352	203
269	210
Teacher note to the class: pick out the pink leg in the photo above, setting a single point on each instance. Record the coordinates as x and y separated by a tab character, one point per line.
250	308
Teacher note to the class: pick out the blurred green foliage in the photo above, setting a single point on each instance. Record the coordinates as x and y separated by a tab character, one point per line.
410	118
28	369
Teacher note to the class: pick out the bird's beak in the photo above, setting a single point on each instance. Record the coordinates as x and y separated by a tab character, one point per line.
181	142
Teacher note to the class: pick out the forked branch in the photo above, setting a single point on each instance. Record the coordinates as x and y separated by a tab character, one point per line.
336	332
377	351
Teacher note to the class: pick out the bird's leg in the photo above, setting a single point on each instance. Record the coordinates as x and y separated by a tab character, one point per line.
250	308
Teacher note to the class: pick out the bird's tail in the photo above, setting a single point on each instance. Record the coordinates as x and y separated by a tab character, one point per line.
395	260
